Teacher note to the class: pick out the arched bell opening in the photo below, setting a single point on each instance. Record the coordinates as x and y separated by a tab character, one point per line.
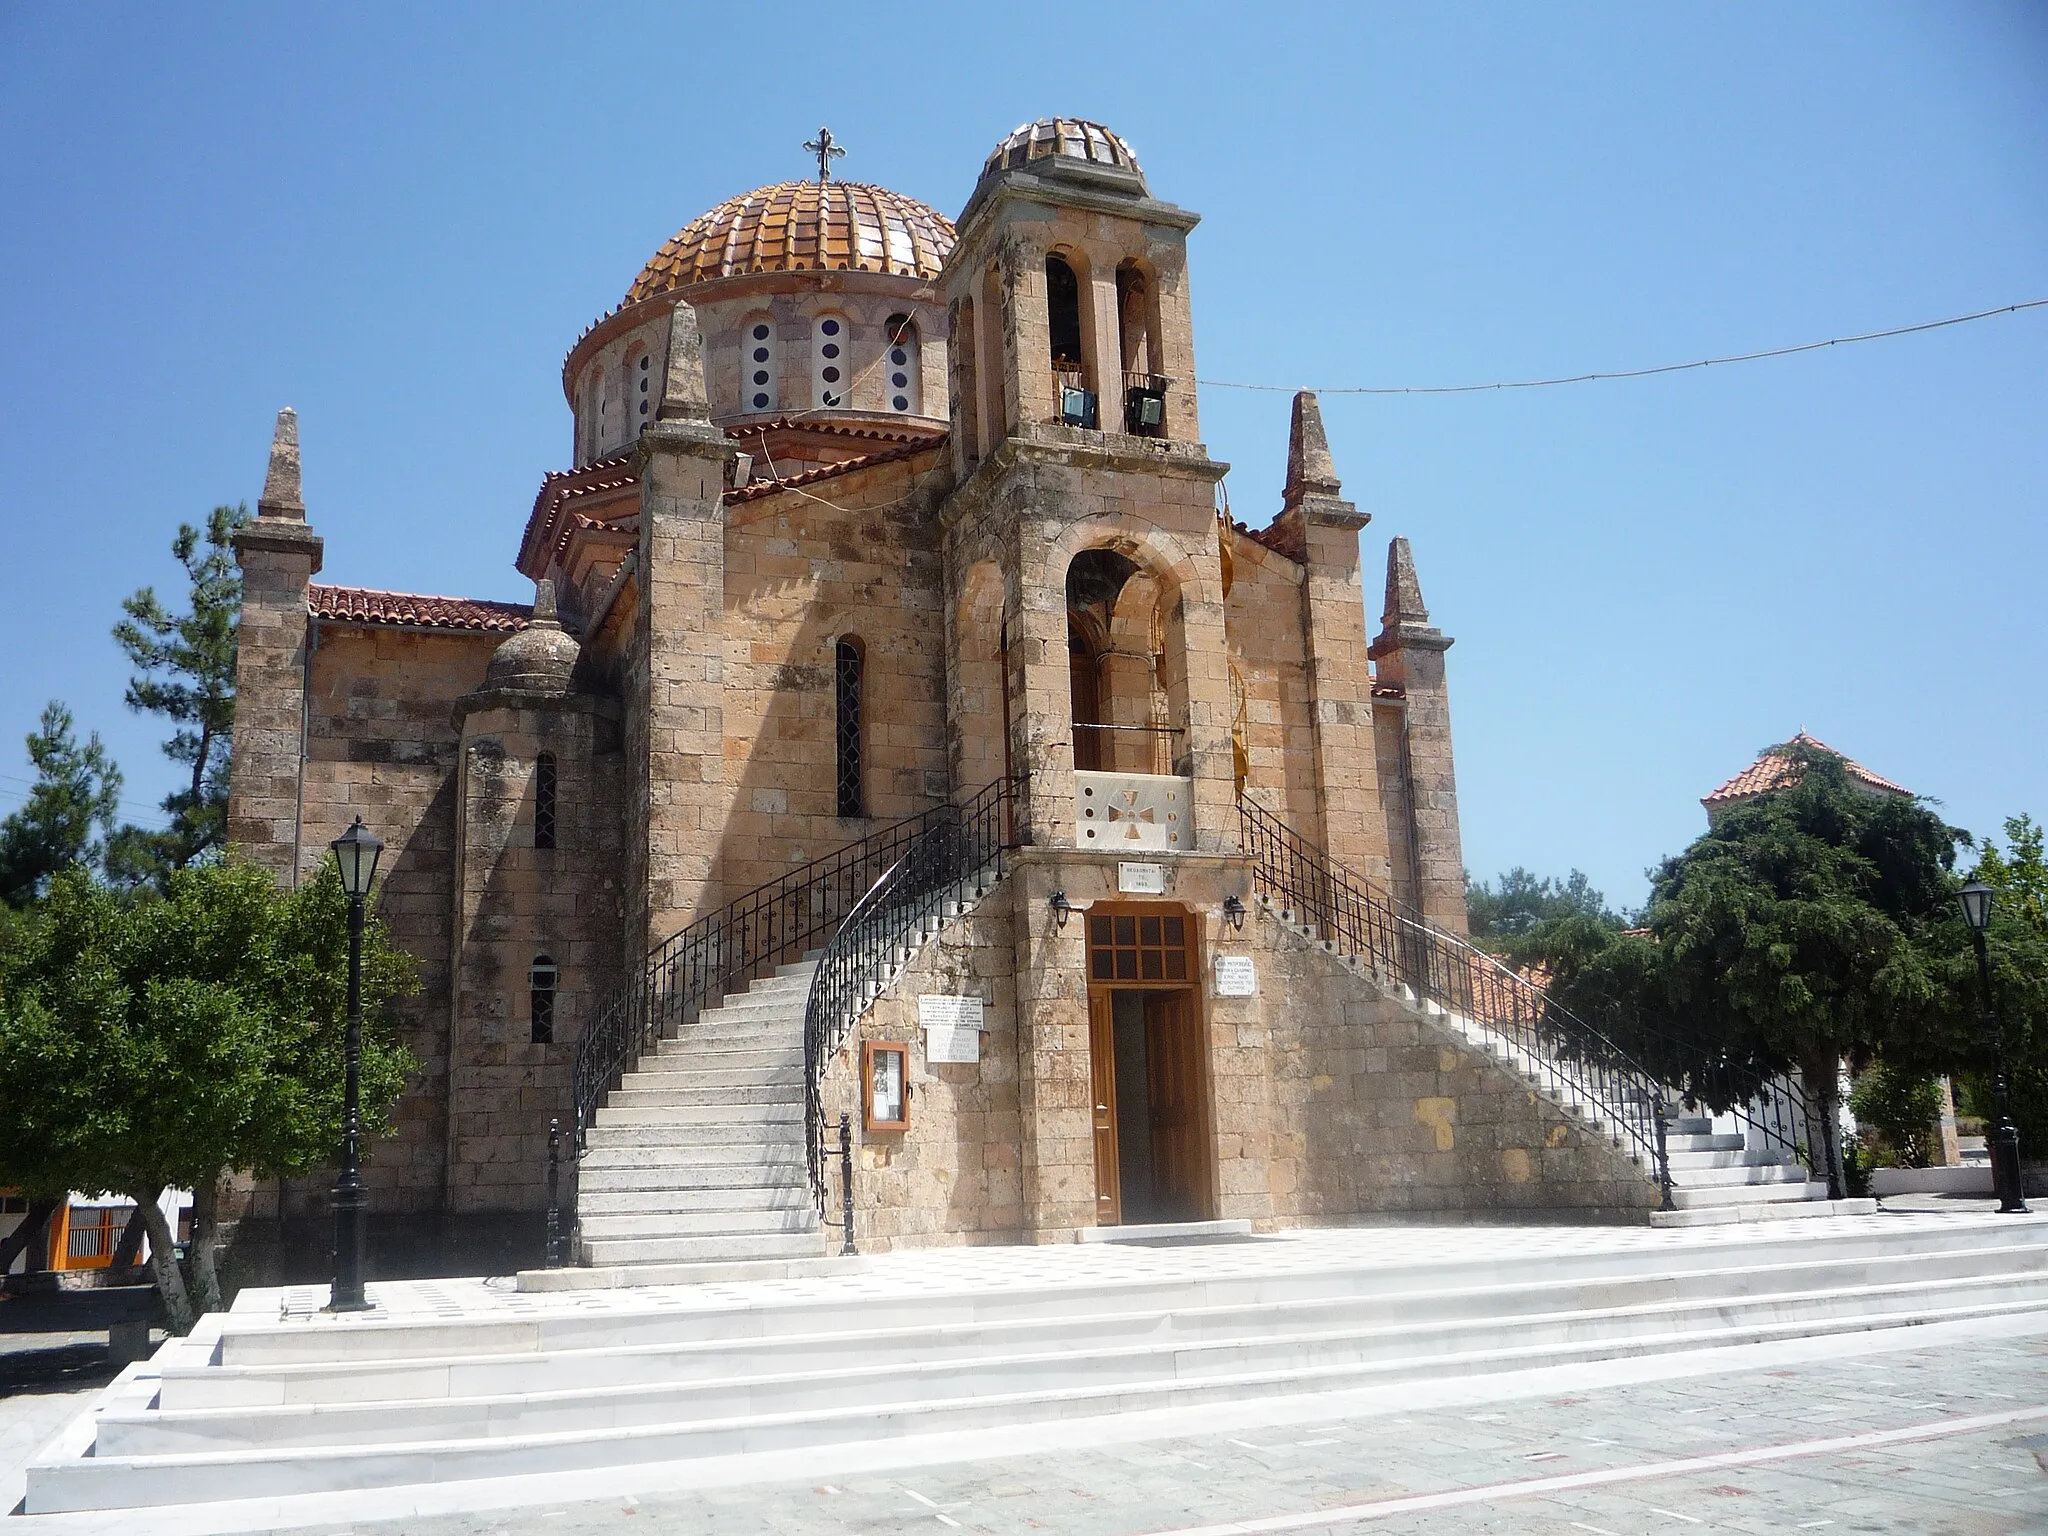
1128	716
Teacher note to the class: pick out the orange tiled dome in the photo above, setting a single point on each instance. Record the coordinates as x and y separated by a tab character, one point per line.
1072	137
802	226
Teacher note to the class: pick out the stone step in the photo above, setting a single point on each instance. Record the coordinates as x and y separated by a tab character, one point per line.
1743	1194
678	1056
639	1093
1728	1143
682	1074
1053	1374
1769	1210
1741	1175
735	1115
689	1139
697	1172
603	1227
1747	1157
693	1200
705	1353
688	1250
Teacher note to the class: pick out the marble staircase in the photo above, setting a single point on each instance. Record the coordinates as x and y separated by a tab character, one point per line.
699	1153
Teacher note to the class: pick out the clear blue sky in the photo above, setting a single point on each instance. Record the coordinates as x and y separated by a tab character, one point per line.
398	219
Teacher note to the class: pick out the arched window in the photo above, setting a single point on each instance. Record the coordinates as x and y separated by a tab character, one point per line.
758	371
900	365
1074	397
1063	314
831	373
544	800
540	983
849	665
607	413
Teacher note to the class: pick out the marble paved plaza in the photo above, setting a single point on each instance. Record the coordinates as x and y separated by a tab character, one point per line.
1696	1453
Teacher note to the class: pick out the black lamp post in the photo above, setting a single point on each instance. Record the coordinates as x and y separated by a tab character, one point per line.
2007	1182
356	851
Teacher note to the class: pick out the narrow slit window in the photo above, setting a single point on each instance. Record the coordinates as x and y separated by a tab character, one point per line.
831	367
544	801
850	665
758	378
541	999
900	365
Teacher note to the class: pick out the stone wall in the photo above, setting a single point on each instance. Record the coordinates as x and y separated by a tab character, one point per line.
1378	1110
1329	1101
382	743
1262	617
954	1175
800	574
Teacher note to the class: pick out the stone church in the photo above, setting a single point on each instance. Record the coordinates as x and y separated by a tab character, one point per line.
898	733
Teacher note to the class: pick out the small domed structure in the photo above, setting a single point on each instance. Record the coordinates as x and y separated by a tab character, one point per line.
802	226
541	658
1067	138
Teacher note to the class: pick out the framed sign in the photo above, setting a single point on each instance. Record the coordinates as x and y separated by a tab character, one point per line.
1141	879
885	1085
1236	976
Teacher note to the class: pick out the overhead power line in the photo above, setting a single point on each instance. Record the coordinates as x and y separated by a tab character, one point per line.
1634	373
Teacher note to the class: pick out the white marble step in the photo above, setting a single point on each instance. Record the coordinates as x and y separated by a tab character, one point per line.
686	1073
851	1343
1747	1194
616	1115
646	1175
702	1249
1763	1211
610	1226
1735	1157
649	1090
1730	1142
1742	1175
795	1195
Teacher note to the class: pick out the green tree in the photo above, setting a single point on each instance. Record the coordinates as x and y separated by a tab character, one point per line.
165	1041
1814	923
1500	913
185	671
69	810
1904	1108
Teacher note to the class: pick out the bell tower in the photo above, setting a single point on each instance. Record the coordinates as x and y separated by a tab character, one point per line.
1068	296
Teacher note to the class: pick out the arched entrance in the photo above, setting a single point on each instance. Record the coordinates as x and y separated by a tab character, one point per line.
1154	1155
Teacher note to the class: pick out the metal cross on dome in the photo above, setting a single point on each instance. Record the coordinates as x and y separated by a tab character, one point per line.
826	150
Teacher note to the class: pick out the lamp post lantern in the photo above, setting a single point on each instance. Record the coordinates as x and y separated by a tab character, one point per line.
356	852
2007	1182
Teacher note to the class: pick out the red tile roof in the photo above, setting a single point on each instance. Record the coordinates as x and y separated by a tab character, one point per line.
905	434
366	605
761	488
545	527
1775	769
1288	541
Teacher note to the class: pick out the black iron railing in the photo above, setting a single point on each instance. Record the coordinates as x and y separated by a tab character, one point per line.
692	970
1774	1111
958	852
1346	912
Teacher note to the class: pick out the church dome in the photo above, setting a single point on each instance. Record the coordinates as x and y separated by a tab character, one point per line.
1069	138
802	226
540	658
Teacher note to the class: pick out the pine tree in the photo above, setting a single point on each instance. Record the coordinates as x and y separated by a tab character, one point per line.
76	793
185	671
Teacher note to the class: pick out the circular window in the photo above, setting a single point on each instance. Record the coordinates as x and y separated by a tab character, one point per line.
643	407
901	403
643	386
900	380
831	375
899	357
760	354
831	349
761	376
760	402
643	365
831	399
760	333
829	327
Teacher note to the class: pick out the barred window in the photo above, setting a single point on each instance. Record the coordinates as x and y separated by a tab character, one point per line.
849	667
544	800
541	999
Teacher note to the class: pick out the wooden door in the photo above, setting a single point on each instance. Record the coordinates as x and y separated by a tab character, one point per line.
1180	1106
1102	1090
